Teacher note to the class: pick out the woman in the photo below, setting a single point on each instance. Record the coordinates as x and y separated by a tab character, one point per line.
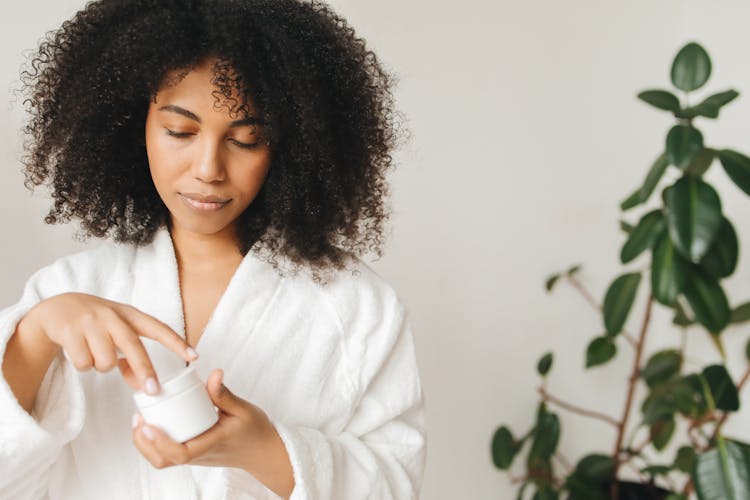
235	151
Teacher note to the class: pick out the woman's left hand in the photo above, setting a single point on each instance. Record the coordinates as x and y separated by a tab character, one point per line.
243	437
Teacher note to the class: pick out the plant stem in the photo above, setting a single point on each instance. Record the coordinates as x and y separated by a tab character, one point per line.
631	391
576	409
725	416
688	488
590	299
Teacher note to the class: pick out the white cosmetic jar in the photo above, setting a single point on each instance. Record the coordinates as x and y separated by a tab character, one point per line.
182	408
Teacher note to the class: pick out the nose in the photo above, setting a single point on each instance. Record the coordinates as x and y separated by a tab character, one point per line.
209	166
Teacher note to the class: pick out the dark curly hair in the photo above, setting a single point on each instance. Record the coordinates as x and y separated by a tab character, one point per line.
325	99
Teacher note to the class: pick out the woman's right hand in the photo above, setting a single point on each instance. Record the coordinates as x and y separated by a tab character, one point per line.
91	330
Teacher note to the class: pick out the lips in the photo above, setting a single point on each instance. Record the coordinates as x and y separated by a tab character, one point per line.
198	202
201	198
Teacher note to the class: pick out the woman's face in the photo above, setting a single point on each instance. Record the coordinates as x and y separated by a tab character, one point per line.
206	165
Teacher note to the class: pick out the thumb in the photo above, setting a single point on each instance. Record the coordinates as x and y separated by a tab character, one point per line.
222	397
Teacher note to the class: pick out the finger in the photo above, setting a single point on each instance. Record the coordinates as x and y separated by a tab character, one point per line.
222	397
174	452
102	350
146	446
135	353
152	328
202	443
77	350
128	374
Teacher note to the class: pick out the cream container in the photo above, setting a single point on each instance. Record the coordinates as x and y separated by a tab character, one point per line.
182	408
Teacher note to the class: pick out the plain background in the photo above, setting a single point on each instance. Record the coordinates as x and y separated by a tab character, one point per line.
526	134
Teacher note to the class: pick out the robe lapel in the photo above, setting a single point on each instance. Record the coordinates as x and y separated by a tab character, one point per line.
156	291
156	288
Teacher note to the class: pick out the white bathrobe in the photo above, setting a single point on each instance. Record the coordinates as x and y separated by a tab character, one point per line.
333	367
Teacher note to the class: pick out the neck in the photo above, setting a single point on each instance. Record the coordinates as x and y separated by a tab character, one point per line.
205	252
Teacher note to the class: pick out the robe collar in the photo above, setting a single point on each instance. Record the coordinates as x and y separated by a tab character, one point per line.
156	291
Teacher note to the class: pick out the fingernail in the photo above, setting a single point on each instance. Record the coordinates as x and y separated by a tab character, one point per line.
148	433
135	420
191	353
151	386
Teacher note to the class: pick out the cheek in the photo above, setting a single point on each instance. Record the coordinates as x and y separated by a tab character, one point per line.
163	160
250	178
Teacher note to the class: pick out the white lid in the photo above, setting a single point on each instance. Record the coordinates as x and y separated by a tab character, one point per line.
183	381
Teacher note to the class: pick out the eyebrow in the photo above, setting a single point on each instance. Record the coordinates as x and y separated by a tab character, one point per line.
250	120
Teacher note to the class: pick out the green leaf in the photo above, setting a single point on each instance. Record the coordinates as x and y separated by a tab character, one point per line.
690	396
590	478
625	227
655	173
504	448
545	363
649	228
693	216
661	432
722	388
545	492
706	109
691	67
658	406
595	468
747	350
722	98
631	201
741	313
716	341
681	317
684	142
573	270
723	473
599	351
707	300
710	106
619	300
685	459
668	271
657	470
737	167
701	162
551	281
662	366
661	99
546	436
667	398
721	259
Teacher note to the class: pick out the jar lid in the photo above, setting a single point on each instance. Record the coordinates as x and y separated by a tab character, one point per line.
182	381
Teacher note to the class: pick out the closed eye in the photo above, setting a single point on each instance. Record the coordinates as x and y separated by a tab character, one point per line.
244	145
178	134
184	135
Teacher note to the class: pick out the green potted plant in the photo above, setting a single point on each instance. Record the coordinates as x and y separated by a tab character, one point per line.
684	246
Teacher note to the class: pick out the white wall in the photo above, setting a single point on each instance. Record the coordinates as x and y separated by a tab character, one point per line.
526	135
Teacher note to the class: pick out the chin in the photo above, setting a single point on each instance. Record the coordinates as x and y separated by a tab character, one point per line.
205	227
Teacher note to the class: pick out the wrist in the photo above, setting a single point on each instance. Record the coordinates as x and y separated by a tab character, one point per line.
30	331
28	355
269	461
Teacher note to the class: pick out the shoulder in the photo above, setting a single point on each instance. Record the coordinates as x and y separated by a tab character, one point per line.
86	270
359	290
367	309
356	296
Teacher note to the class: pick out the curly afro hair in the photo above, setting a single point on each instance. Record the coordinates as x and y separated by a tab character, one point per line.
324	97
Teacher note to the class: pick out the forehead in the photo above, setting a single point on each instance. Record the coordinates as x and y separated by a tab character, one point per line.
209	85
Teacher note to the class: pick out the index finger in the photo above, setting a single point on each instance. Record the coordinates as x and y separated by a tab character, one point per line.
150	327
